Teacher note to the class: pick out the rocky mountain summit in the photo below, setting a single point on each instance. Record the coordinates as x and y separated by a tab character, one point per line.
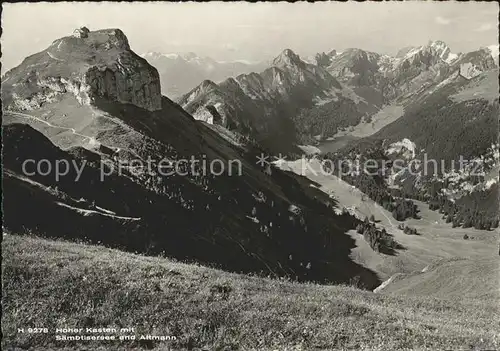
355	66
89	65
474	63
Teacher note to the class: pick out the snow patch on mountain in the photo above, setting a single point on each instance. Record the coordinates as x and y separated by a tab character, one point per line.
311	59
387	63
494	50
451	58
452	78
469	70
405	147
443	50
310	149
203	114
412	52
437	47
319	101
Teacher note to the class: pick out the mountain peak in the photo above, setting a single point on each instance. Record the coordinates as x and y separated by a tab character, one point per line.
332	53
107	37
436	48
190	55
208	84
89	65
442	50
289	53
288	58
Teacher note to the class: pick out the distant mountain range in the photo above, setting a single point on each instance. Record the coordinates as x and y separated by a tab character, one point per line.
179	73
337	92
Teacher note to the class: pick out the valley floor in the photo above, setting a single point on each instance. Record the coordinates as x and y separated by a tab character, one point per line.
54	284
436	241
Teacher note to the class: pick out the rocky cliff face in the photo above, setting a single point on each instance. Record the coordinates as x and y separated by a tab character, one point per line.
98	65
129	80
356	67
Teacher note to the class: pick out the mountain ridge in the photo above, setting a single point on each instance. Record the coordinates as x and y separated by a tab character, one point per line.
180	73
253	220
274	95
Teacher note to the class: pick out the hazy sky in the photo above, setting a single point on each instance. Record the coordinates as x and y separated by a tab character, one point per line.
230	31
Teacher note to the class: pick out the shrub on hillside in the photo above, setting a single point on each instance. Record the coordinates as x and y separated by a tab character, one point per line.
378	239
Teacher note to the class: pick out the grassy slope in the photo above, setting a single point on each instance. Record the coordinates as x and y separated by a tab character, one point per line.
484	87
452	278
55	284
437	239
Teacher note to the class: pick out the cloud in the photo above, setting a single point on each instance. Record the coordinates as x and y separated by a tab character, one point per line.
442	20
484	27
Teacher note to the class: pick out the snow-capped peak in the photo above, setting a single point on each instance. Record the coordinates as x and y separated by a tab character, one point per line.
437	47
443	51
412	52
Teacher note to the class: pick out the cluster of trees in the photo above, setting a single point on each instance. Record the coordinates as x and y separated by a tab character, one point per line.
379	240
478	210
374	186
403	208
470	218
326	119
446	128
407	230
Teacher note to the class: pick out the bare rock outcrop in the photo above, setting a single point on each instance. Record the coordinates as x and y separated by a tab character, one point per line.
88	64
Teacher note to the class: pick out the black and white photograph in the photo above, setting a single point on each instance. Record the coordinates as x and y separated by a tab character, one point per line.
268	176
